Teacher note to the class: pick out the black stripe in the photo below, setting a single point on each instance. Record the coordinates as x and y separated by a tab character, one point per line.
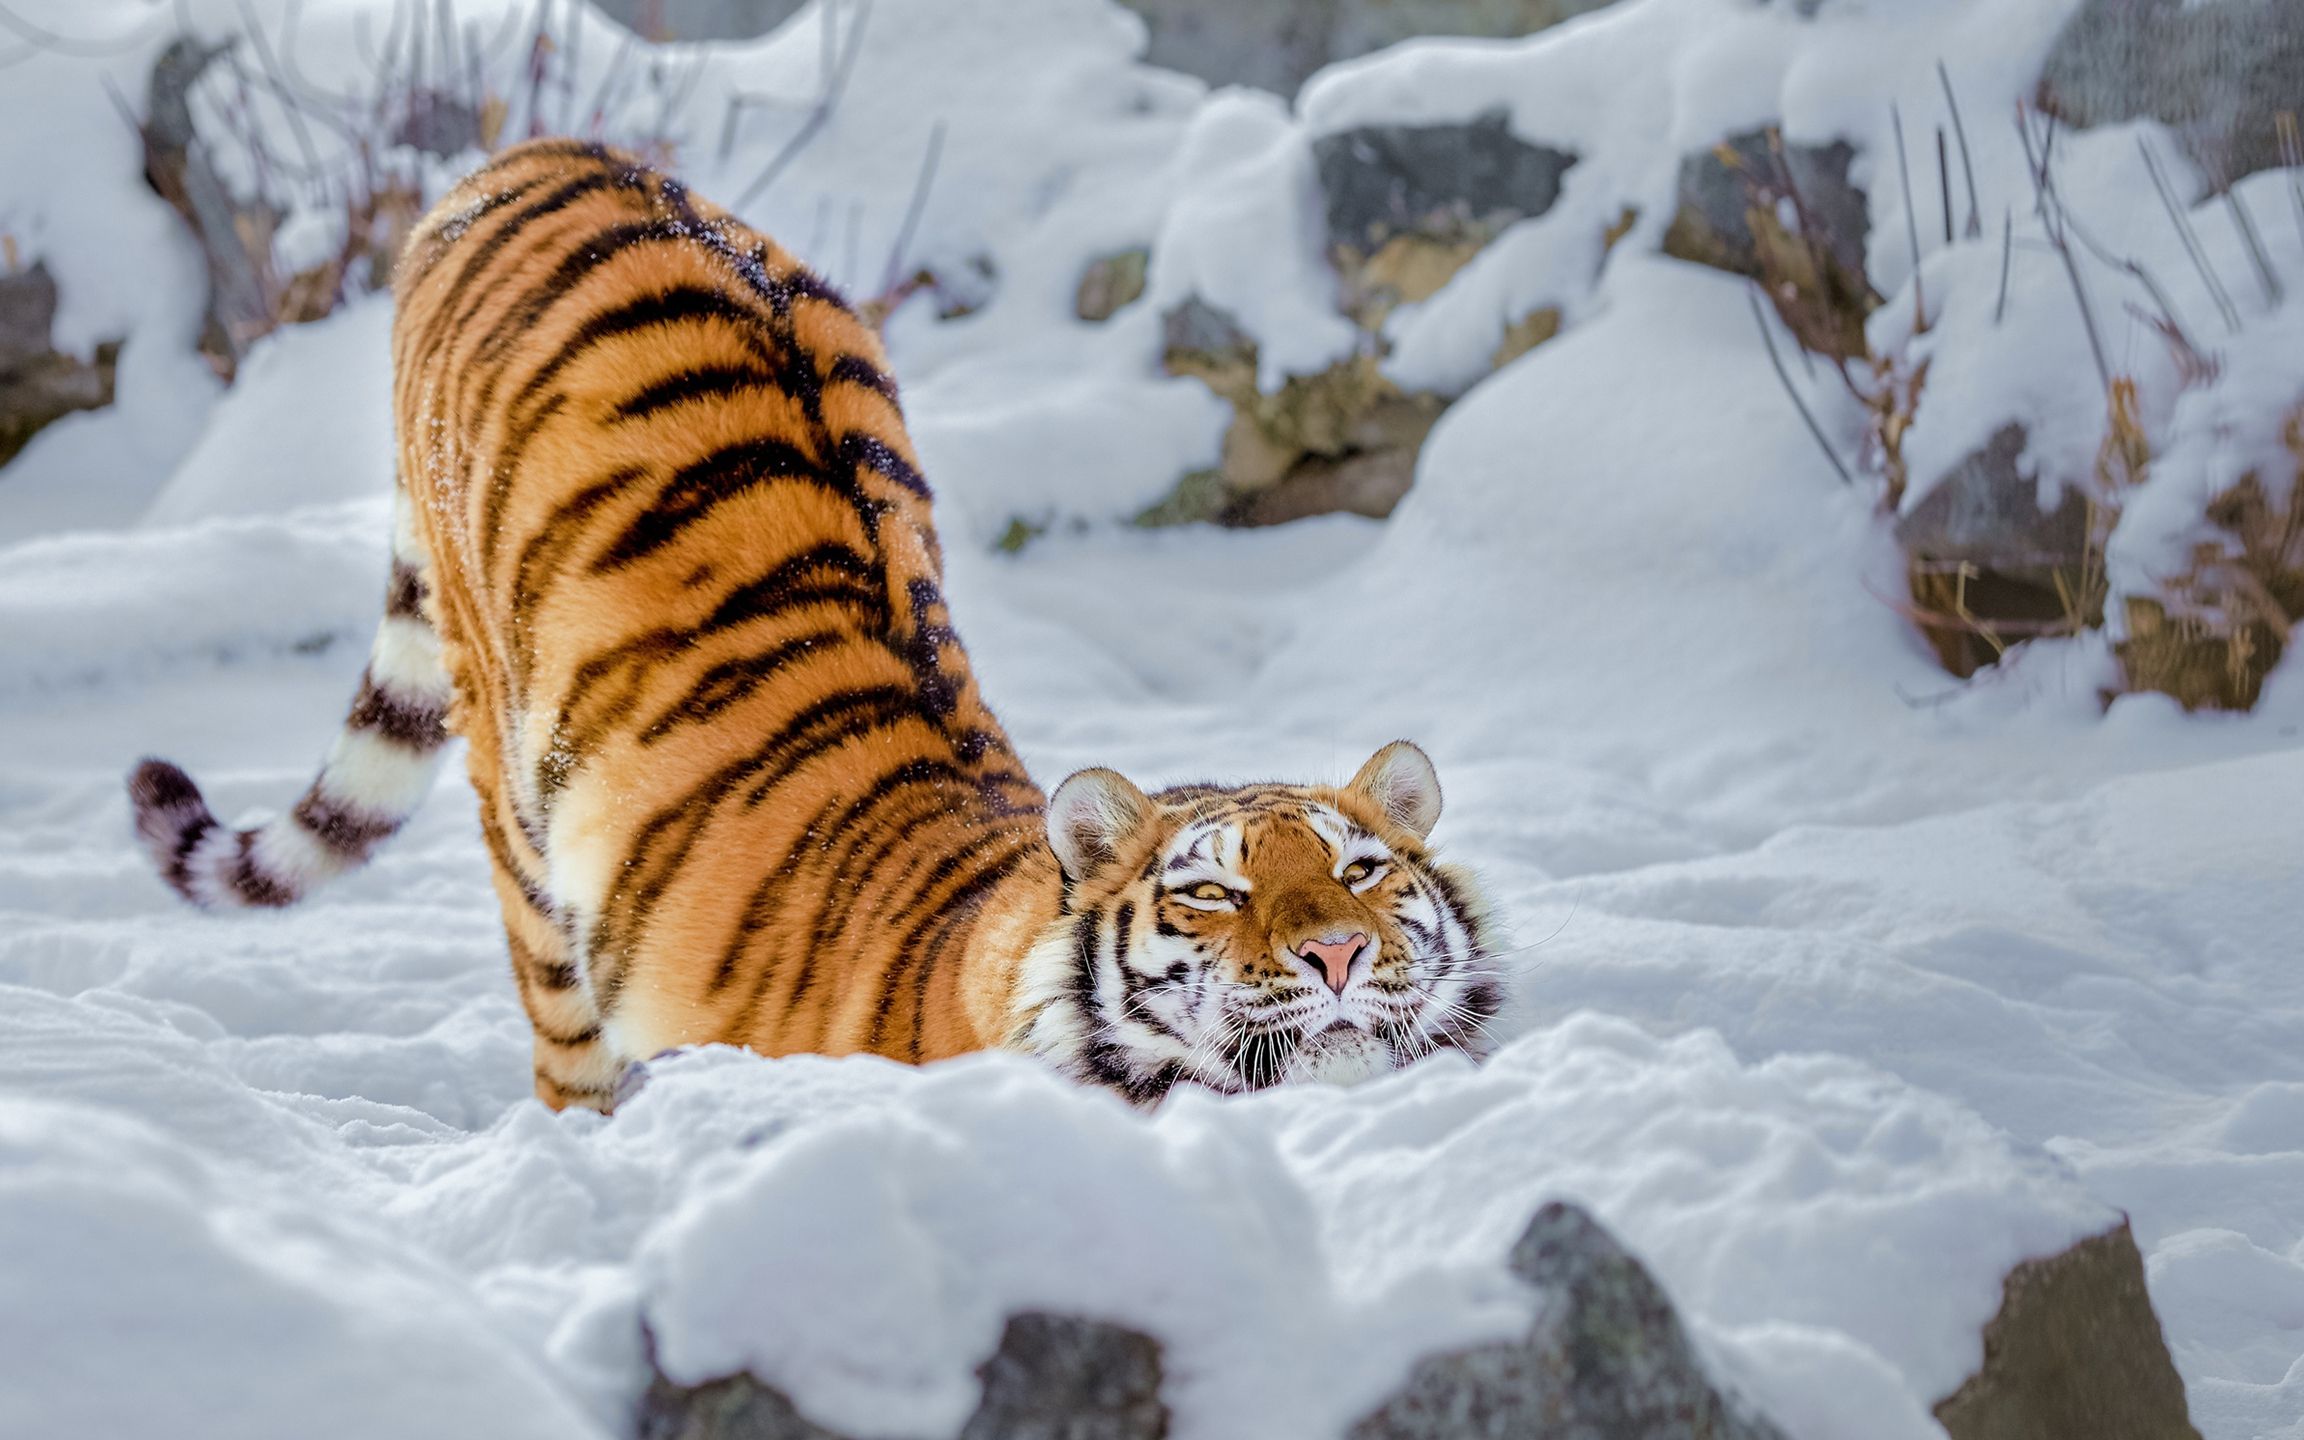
568	1039
404	592
540	297
179	870
460	224
707	382
696	489
418	724
859	448
567	1089
759	922
252	884
561	531
1102	1058
504	473
865	851
731	681
910	953
653	859
680	305
557	148
856	370
492	834
349	830
781	589
594	707
560	974
446	319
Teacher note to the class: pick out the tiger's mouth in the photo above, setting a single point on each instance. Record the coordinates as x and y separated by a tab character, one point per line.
1341	1053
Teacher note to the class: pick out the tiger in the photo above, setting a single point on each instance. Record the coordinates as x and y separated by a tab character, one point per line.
662	556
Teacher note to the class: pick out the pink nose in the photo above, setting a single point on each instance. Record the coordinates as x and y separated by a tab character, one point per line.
1334	957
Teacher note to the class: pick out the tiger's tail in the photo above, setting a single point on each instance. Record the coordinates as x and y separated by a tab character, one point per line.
374	779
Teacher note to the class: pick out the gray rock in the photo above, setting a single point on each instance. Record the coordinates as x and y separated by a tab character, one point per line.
38	384
1988	567
1606	1359
698	19
1058	1377
1713	224
737	1408
1788	217
1271	44
1111	283
2074	1354
1365	482
1986	510
1197	335
1440	182
2218	73
1054	1377
1277	44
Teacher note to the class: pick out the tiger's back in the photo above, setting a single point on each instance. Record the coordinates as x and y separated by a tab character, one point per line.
736	770
658	503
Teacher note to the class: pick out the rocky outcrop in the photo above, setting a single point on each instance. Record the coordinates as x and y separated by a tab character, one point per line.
1054	1377
1110	284
1058	1378
1407	206
2220	75
1731	204
1606	1357
38	383
1404	208
1345	438
1988	567
2212	634
2074	1354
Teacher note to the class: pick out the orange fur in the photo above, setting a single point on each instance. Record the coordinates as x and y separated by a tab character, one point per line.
738	781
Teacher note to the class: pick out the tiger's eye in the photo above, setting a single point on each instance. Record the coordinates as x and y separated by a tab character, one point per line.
1358	871
1209	890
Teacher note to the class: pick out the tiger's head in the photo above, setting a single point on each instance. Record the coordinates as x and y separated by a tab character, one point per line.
1252	936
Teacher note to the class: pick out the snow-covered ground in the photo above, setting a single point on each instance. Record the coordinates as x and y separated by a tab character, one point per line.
1842	985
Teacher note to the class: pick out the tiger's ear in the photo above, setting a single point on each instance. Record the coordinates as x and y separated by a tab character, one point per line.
1090	818
1402	782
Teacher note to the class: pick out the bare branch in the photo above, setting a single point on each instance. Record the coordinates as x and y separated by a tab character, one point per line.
1944	185
2292	161
597	111
2184	232
2245	223
1967	167
914	208
2051	216
1911	222
821	114
1784	377
273	72
2007	253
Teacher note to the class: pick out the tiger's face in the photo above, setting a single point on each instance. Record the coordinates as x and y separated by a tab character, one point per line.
1246	937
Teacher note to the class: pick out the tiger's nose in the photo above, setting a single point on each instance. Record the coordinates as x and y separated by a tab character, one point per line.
1334	957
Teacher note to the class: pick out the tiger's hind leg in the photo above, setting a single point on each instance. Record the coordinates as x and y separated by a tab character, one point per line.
574	1064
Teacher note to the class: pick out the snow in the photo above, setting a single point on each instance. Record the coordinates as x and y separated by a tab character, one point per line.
1840	986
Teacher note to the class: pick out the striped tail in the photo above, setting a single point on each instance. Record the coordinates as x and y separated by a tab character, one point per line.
376	775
